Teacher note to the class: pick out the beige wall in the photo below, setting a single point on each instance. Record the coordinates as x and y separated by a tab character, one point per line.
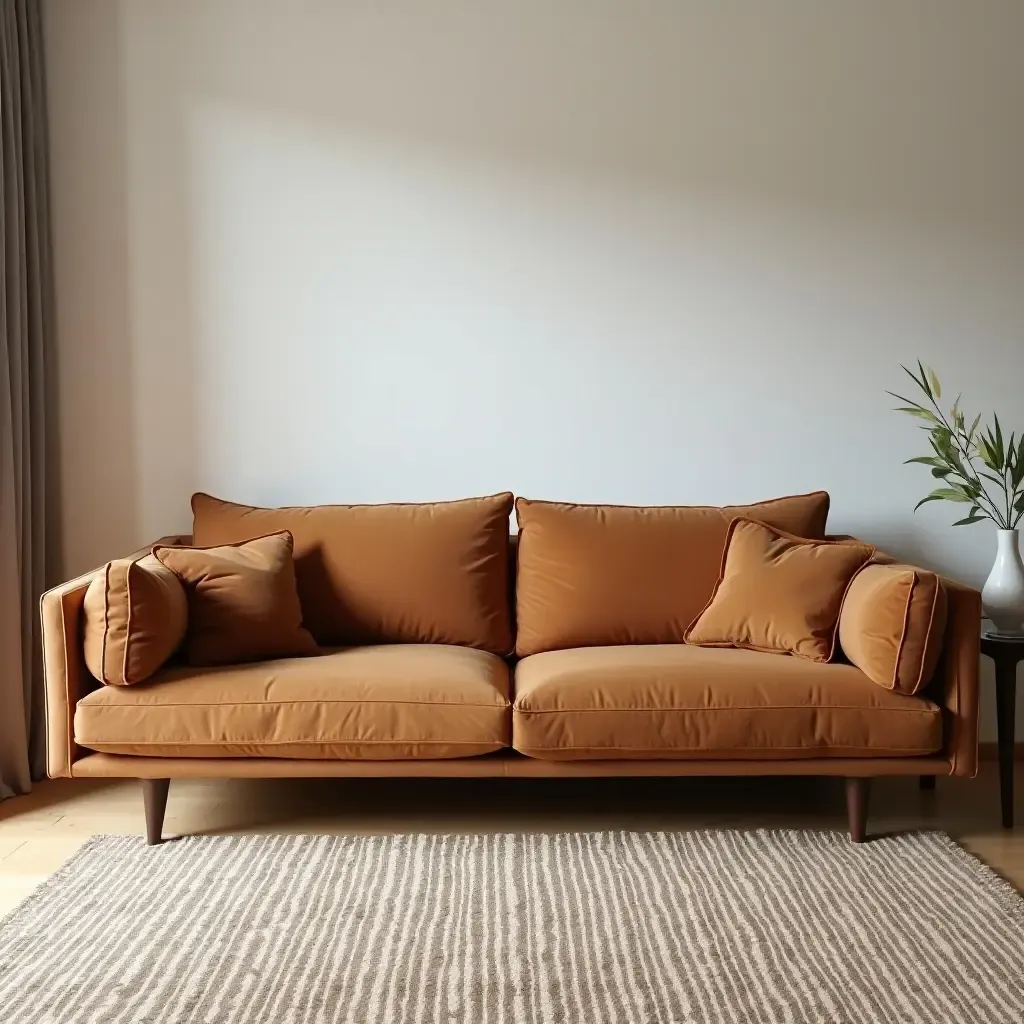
642	252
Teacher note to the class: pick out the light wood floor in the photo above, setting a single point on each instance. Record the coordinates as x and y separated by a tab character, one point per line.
40	831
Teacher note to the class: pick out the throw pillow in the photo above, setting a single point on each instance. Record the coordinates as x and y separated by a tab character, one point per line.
135	615
242	601
778	593
892	625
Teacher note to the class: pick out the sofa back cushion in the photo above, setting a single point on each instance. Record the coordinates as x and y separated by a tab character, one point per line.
892	625
134	617
368	574
595	575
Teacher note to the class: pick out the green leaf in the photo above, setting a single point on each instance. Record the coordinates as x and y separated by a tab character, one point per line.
926	460
925	385
941	446
920	382
1018	505
969	520
995	479
916	410
954	459
906	401
974	427
941	472
987	454
933	380
945	494
999	451
1017	476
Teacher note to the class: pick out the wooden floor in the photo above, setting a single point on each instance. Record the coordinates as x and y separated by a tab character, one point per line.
40	831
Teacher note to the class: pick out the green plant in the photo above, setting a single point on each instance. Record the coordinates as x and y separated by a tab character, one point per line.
978	467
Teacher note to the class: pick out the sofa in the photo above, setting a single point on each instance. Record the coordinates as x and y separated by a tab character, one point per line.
446	645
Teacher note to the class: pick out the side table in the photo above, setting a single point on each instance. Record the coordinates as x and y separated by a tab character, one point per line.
1005	652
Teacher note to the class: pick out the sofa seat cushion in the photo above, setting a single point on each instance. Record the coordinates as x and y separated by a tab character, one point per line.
377	703
676	701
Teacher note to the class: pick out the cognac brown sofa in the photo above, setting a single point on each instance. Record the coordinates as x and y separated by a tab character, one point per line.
640	703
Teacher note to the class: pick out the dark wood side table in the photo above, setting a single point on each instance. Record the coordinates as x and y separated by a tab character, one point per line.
1005	652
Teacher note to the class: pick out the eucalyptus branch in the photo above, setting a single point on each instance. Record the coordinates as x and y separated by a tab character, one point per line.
957	450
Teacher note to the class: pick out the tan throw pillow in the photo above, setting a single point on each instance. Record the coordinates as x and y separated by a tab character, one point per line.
597	575
370	574
779	593
135	616
892	625
242	601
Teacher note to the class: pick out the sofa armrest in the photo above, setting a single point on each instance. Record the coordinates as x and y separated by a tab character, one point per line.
955	687
66	678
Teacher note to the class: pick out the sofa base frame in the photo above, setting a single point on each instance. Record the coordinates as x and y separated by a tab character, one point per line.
502	764
857	792
858	789
154	796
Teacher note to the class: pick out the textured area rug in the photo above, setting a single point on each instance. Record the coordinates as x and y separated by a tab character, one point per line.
604	927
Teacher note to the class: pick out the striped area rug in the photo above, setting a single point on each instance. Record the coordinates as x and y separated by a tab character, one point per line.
604	928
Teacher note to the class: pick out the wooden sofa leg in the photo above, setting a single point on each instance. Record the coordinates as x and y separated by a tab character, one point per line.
154	794
927	782
857	792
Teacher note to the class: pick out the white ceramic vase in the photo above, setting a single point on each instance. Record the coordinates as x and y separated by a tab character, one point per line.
1003	593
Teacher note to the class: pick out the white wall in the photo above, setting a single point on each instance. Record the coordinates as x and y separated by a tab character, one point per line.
585	249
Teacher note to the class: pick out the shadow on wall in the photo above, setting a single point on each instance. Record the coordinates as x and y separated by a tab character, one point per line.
90	227
904	543
406	251
772	108
125	375
123	372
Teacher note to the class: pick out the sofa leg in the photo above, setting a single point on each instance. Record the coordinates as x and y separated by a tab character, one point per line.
857	791
927	782
154	795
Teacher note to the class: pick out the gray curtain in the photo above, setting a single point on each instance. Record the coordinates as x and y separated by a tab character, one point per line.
26	326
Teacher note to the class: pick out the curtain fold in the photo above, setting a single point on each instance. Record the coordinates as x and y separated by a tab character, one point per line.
26	324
